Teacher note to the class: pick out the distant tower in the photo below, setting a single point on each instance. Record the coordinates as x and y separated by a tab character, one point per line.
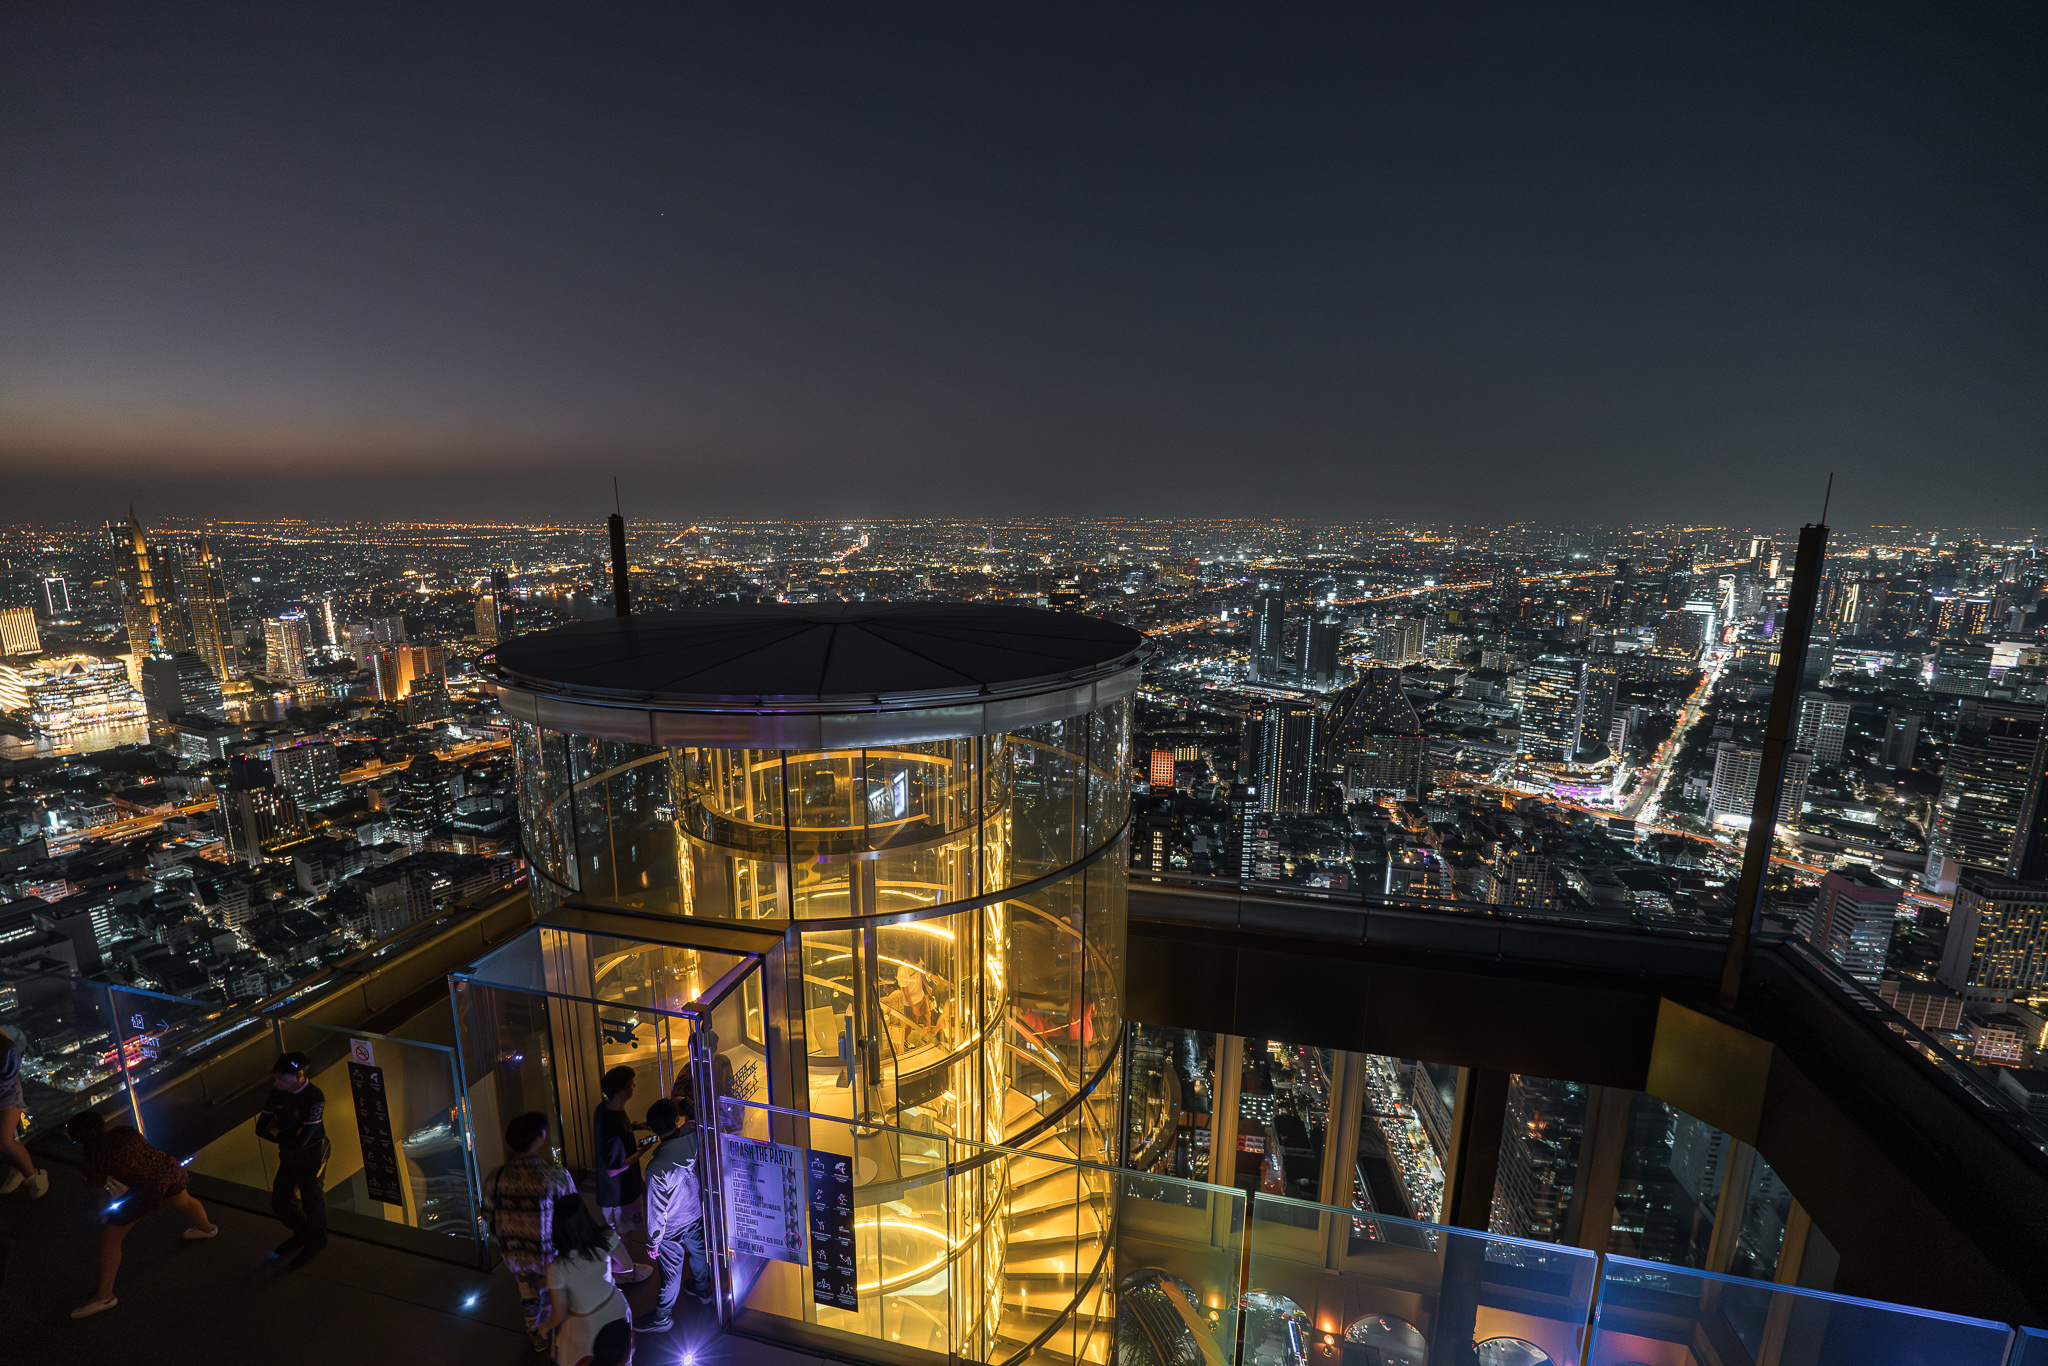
1320	650
1823	726
1554	707
1269	626
206	599
286	645
156	624
1994	787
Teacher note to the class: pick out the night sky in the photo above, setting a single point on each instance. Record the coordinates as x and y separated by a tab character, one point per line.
1534	261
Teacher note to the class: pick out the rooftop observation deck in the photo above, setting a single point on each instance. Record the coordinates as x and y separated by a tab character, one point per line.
1932	1188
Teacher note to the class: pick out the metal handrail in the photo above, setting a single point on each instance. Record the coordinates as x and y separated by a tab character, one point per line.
1464	910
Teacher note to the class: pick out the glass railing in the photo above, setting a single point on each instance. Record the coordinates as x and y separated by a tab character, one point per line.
1911	1039
398	1124
1650	1312
1711	922
1325	1284
983	1253
71	1050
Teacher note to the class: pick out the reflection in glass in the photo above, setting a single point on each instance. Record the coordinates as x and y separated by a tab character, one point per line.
1275	1330
1510	1352
1394	1341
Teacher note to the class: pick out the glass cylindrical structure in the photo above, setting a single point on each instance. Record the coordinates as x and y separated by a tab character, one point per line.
929	803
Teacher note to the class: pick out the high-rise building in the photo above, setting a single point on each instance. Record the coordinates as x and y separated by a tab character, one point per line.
149	606
1819	661
308	769
1399	642
180	684
1617	736
1603	686
402	670
1288	745
287	646
1901	738
1159	769
487	618
206	600
421	798
1990	810
330	630
1997	943
56	598
1269	636
1681	635
18	634
1736	769
1320	649
1554	707
1376	731
1850	920
1823	726
254	810
1524	879
389	630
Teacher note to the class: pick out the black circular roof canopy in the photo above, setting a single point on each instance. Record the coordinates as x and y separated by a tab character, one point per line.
820	658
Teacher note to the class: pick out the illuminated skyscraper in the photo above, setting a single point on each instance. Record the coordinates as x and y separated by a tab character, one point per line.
310	770
1850	920
286	645
1269	627
403	670
1997	944
206	599
1736	769
1681	635
1376	732
1823	726
1288	745
1554	707
18	634
149	607
1990	813
1603	685
175	685
254	810
1399	642
487	617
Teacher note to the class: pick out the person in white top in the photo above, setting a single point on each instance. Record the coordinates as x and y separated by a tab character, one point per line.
580	1286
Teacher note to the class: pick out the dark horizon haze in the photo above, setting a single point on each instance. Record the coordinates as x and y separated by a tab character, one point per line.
1584	264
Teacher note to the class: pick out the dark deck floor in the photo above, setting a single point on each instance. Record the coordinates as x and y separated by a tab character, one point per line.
222	1300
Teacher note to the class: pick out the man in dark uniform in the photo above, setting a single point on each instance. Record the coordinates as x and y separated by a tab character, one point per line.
292	1119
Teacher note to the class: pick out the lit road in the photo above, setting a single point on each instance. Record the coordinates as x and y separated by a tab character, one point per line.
1652	787
130	828
136	826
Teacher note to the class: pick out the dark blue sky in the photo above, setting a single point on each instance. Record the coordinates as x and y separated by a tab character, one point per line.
1526	261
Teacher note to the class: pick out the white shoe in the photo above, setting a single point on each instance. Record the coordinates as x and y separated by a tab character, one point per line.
213	1232
39	1186
641	1271
91	1307
12	1183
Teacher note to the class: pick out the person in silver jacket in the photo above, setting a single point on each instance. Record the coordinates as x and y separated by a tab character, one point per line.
675	1212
